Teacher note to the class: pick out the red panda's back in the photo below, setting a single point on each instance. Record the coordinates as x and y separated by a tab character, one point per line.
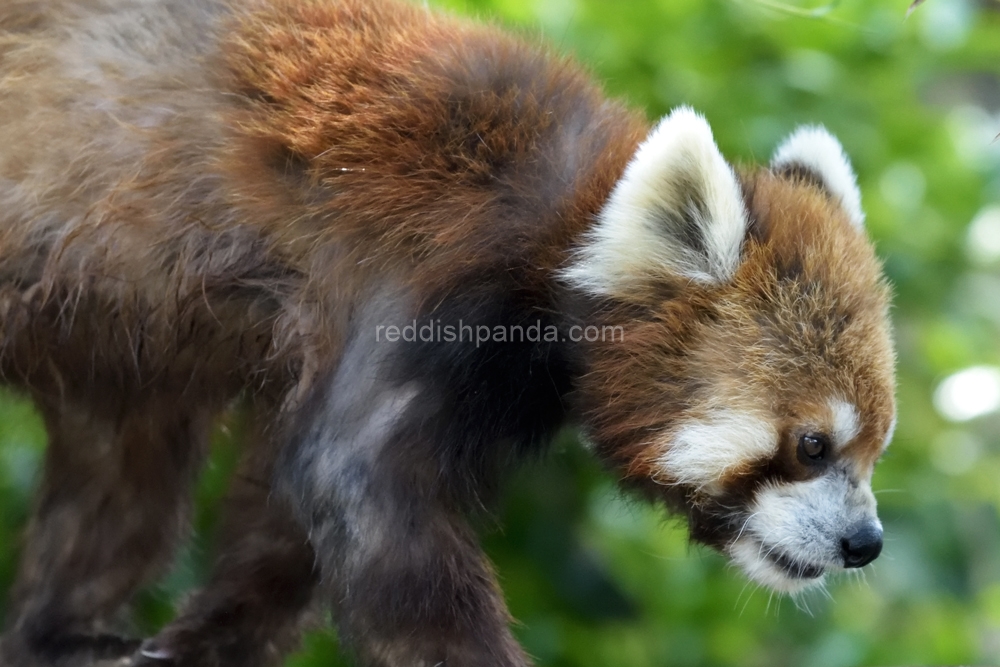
418	134
205	149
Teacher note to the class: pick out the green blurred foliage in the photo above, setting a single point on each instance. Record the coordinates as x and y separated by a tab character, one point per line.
598	580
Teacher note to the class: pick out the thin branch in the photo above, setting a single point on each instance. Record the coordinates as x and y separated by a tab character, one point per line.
814	13
913	6
817	13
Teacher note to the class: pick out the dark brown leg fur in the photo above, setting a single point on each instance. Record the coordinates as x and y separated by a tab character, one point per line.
250	613
430	599
408	585
114	501
406	580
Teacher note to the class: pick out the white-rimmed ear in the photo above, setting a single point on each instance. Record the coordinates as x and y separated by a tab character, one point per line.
813	149
677	210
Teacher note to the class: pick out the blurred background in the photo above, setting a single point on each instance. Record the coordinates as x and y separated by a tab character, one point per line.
598	580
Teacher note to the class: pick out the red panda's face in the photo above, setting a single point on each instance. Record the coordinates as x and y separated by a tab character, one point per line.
754	386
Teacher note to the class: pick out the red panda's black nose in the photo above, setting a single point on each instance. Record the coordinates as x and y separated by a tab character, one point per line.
862	545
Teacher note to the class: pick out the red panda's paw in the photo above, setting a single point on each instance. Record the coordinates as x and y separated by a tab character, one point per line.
99	650
219	648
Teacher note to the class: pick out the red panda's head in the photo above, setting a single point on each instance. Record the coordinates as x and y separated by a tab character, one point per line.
751	381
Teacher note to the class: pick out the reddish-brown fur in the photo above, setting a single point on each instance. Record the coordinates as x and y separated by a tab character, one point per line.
805	287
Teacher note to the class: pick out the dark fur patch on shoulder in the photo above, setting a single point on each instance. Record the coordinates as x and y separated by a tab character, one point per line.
501	400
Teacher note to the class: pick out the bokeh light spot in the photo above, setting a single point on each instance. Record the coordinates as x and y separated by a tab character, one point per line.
968	394
982	242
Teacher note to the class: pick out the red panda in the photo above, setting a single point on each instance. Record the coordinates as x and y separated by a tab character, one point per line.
414	247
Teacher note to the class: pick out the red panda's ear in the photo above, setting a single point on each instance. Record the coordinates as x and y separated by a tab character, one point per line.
677	212
815	151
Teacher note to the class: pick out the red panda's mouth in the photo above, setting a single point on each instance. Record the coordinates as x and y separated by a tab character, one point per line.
795	569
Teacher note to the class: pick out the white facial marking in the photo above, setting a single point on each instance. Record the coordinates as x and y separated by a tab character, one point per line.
801	523
702	451
750	555
676	185
846	423
814	148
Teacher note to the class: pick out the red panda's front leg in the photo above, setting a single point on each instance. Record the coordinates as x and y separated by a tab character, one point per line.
113	504
417	591
250	612
400	567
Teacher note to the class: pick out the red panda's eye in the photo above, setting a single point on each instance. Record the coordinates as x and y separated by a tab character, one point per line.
813	446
